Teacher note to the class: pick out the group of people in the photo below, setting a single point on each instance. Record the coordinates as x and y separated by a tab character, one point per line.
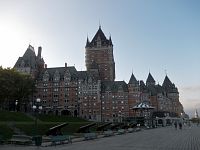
178	124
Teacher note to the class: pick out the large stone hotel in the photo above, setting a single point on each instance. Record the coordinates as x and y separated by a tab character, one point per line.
94	94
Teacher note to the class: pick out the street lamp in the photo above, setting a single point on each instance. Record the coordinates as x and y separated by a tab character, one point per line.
16	103
37	107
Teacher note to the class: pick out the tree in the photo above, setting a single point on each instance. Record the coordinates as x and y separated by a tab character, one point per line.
15	86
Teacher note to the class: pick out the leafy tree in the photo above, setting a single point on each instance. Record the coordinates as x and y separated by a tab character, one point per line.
15	86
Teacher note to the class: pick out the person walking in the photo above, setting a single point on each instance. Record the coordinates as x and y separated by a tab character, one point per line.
180	125
175	125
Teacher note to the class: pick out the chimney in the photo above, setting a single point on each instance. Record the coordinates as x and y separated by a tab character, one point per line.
66	65
39	52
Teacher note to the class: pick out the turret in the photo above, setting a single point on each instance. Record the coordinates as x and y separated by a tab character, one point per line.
150	80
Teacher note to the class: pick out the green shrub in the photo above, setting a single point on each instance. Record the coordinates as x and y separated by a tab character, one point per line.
5	131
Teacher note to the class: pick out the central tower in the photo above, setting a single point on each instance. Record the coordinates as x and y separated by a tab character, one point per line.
100	52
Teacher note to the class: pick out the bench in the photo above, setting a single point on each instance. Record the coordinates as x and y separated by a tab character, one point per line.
121	131
130	130
21	139
60	139
108	133
90	136
138	129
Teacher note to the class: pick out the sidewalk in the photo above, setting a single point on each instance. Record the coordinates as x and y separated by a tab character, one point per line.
166	138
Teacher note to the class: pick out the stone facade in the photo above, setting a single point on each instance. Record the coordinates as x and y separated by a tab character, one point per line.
94	94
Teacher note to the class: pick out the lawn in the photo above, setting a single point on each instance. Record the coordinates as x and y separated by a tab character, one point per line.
53	118
27	124
14	116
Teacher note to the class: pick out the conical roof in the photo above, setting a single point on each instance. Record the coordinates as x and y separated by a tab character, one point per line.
132	79
167	82
169	86
150	79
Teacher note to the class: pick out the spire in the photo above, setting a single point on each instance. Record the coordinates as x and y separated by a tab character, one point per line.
99	24
150	80
169	86
100	37
196	114
167	82
110	41
87	42
132	80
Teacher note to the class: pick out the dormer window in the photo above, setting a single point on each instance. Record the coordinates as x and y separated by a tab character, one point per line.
90	80
22	63
56	76
46	76
67	76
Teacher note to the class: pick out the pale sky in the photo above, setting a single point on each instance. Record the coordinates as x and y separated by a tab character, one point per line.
148	35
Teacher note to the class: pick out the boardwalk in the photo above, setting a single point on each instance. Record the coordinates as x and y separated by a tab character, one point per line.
155	139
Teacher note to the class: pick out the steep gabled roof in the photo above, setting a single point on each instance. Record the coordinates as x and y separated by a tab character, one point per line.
132	80
61	71
167	82
169	86
114	86
28	59
150	80
84	75
99	36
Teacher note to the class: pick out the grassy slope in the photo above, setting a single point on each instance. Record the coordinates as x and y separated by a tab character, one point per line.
27	125
14	116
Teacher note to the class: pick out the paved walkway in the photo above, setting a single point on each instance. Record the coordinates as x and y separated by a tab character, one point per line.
166	138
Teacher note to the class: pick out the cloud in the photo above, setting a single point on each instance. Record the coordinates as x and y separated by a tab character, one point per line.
191	88
190	98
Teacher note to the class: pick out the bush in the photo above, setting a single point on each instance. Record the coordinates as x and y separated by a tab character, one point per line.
5	131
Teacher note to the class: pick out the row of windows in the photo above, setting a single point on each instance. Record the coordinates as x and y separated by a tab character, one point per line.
57	89
122	108
116	96
85	104
116	102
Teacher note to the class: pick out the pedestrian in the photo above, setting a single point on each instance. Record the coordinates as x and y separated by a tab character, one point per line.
180	125
175	125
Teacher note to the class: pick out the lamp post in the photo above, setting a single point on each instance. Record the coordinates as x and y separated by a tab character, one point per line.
16	103
37	107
